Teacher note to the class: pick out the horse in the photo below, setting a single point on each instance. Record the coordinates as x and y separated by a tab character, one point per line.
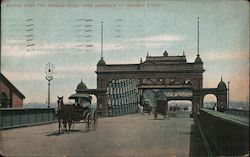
147	109
64	114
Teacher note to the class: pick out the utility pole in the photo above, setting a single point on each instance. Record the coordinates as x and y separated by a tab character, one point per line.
198	37
0	44
102	40
228	97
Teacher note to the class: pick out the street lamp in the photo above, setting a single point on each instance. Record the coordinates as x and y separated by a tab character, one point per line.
49	77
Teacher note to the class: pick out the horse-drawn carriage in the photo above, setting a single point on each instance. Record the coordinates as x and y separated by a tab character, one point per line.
161	108
80	112
147	107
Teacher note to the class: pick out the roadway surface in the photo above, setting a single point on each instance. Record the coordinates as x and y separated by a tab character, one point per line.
131	135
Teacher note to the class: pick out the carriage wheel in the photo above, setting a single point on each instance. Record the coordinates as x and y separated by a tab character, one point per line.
95	121
88	122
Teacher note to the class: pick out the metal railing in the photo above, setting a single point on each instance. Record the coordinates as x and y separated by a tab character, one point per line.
10	118
238	112
226	134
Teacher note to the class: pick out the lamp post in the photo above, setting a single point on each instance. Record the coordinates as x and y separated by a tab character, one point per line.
49	77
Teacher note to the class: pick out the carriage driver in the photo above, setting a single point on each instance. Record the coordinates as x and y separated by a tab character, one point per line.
86	105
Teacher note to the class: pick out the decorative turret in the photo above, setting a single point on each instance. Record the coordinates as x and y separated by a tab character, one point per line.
81	86
165	54
101	62
198	59
80	97
222	84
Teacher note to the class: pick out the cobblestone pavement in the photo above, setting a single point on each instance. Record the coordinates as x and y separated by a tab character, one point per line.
131	135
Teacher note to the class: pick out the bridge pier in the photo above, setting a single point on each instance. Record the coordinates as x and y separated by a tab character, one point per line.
102	101
197	102
222	101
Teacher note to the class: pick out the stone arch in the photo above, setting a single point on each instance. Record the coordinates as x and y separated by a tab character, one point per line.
221	97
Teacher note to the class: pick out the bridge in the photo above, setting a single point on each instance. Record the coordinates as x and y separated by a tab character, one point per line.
122	131
124	85
210	133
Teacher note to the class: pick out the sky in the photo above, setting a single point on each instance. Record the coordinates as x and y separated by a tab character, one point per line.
67	34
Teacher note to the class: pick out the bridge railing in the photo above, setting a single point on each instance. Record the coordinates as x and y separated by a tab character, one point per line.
244	113
225	134
10	118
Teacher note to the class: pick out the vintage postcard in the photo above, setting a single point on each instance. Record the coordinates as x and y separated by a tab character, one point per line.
124	78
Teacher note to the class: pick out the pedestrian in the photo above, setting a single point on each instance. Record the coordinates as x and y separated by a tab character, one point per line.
222	109
139	109
214	107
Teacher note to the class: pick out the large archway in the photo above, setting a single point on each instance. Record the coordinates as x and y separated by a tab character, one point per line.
156	72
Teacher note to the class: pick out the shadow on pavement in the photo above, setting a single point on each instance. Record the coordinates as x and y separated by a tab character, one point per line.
1	154
65	132
159	119
197	147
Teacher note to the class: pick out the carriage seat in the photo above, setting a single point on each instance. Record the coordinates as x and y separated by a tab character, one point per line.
82	110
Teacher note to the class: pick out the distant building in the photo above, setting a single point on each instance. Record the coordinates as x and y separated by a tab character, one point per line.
10	96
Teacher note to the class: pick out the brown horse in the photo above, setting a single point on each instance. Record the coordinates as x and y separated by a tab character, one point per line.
64	114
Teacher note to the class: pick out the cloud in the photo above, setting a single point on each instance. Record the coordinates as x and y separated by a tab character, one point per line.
18	75
159	38
17	48
225	56
75	68
60	72
71	71
238	82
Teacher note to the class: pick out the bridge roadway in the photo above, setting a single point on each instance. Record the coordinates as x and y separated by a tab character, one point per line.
131	135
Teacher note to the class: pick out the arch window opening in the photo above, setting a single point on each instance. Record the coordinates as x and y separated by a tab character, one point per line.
210	102
4	102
